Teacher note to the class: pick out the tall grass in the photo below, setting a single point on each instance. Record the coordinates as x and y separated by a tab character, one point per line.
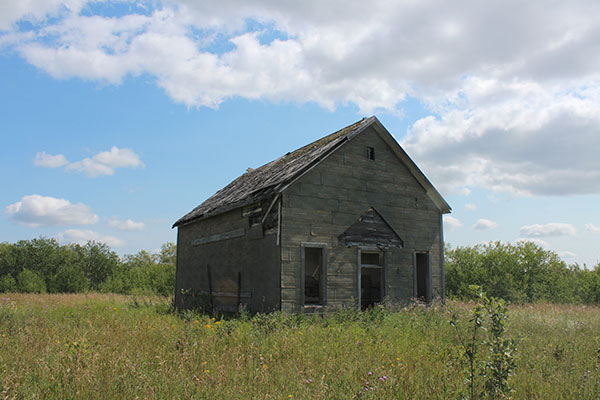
110	346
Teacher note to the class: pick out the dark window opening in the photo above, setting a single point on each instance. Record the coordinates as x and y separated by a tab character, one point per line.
371	279
313	275
422	276
370	153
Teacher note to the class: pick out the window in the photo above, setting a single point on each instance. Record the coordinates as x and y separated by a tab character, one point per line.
314	274
371	276
370	153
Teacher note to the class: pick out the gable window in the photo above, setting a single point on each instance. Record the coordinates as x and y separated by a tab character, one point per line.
370	277
370	153
315	273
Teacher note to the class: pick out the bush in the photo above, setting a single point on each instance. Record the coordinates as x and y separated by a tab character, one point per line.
8	284
69	279
30	282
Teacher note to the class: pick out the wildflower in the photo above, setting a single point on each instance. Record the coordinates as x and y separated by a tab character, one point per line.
208	326
369	373
290	396
207	371
196	321
308	381
217	323
299	332
205	362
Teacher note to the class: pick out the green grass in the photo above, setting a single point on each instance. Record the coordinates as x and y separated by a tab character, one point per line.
109	346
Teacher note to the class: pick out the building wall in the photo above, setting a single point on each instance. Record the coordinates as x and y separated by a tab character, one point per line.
254	254
323	203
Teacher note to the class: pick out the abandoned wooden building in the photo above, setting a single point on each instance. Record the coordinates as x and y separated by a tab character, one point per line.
348	219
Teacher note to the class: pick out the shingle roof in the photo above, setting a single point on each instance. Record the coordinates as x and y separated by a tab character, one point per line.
270	178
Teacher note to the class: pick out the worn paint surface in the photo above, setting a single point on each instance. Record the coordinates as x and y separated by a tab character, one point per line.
325	202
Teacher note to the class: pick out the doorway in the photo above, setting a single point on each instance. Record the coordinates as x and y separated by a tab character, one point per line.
371	278
422	277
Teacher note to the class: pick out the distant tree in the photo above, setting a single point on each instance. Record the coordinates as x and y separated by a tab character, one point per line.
30	282
168	253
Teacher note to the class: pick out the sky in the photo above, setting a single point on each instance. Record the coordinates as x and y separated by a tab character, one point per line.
119	117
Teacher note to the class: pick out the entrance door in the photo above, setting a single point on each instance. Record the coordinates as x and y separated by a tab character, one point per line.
371	278
422	277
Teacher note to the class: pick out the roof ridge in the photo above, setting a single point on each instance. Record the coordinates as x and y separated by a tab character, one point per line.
266	179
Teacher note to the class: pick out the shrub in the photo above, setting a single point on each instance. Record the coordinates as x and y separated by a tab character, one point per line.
8	284
30	282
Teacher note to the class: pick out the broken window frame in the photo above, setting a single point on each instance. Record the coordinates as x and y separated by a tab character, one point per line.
322	282
381	266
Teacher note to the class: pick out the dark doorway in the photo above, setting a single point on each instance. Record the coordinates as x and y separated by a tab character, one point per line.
371	278
422	279
313	275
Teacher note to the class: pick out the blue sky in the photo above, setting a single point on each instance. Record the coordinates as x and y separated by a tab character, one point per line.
119	117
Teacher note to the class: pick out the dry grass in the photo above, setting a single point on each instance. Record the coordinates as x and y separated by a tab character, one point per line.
110	346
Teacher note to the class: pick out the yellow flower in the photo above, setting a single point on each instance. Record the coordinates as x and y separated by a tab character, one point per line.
300	333
205	362
207	371
208	326
217	323
290	396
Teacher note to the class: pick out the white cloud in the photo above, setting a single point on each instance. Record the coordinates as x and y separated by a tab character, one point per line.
83	236
34	10
103	163
470	207
451	223
502	98
551	229
537	241
127	225
591	228
567	254
36	210
483	224
49	161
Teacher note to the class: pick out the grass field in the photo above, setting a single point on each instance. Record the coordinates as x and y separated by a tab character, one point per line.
109	346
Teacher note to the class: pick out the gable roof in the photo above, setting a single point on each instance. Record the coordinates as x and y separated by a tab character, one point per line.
276	176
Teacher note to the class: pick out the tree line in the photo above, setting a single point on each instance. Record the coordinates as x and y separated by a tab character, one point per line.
520	273
44	266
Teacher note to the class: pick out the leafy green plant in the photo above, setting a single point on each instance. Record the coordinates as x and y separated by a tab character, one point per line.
485	349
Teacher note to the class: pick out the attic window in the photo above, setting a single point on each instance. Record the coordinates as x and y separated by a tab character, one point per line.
370	153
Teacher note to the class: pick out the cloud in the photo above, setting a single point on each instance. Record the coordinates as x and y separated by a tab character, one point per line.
483	224
499	100
36	210
83	236
34	10
470	207
551	229
591	228
103	163
567	254
49	161
127	225
451	223
536	241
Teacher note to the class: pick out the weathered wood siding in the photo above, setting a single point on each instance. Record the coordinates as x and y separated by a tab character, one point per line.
323	203
229	245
